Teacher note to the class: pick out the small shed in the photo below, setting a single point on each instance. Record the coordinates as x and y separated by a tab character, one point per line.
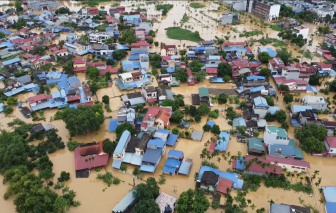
172	138
197	135
113	125
185	166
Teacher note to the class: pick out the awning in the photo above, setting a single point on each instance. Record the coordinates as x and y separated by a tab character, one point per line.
116	164
147	168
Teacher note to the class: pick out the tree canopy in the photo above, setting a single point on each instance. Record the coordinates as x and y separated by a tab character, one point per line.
311	137
83	120
264	57
265	72
122	127
127	37
195	66
224	69
181	75
284	55
192	201
119	54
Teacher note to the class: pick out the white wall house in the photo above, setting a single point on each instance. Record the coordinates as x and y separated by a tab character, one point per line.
302	30
316	102
144	61
323	12
274	12
99	38
119	151
275	135
330	145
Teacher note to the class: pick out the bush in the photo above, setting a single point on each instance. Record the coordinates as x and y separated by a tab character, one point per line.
269	100
116	181
50	183
215	129
12	101
256	133
8	110
64	176
206	128
72	145
135	171
214	114
123	167
175	131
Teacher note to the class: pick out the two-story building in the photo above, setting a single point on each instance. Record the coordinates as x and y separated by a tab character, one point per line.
296	85
141	45
150	94
260	106
119	152
276	65
330	145
156	117
316	102
97	37
146	26
275	135
238	48
168	50
144	61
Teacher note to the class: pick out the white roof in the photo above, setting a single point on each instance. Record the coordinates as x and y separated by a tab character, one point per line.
126	75
313	99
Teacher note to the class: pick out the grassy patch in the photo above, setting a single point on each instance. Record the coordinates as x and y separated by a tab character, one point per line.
196	5
275	27
251	33
93	3
307	54
115	5
183	34
185	19
300	51
278	43
164	7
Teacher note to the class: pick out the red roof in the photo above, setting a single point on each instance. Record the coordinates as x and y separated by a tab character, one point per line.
211	70
248	49
96	154
37	98
17	41
324	66
140	44
259	169
188	72
85	104
80	70
328	57
288	161
295	81
74	98
234	43
27	40
223	185
109	69
324	51
331	141
79	60
155	111
166	58
213	144
148	37
329	123
23	30
96	64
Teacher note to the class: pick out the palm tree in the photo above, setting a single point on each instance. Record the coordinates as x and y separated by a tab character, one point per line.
271	202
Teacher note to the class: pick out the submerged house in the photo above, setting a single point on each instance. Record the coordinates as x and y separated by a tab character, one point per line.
202	96
119	152
275	135
260	106
93	151
157	117
260	169
126	203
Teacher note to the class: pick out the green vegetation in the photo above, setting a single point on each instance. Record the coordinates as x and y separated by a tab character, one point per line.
64	176
264	57
162	179
196	5
93	3
83	120
146	193
106	178
275	27
185	18
183	34
165	8
72	145
311	137
251	33
192	201
123	127
307	54
293	37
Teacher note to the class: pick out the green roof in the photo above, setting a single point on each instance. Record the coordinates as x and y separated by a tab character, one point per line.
298	151
291	143
280	131
203	92
255	143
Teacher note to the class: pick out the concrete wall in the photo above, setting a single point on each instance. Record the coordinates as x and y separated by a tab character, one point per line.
274	12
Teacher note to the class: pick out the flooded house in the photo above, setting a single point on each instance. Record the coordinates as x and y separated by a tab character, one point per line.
284	208
150	94
166	203
290	164
330	199
119	152
255	168
126	204
276	65
15	62
164	94
90	155
285	151
330	126
260	106
255	146
131	80
330	146
154	152
146	26
156	117
168	50
141	45
136	148
316	102
173	162
216	180
330	39
131	100
126	115
238	48
296	85
130	65
290	23
202	96
275	135
266	10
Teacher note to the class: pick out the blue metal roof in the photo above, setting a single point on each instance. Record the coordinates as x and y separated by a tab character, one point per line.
130	64
113	125
222	141
299	108
255	77
170	69
260	101
7	32
329	193
156	142
330	207
124	203
165	131
122	141
131	17
175	154
211	123
73	79
172	138
256	89
169	170
237	183
152	156
273	109
147	168
1	107
284	149
116	164
171	165
185	166
185	124
11	61
240	164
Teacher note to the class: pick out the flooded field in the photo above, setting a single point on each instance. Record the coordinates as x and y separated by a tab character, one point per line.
205	20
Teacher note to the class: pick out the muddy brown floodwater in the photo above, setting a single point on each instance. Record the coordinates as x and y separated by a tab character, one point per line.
90	191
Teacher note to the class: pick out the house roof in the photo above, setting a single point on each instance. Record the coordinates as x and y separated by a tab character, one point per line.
260	101
210	177
203	92
223	185
164	200
324	66
24	79
122	142
331	141
152	156
140	44
163	115
280	131
234	43
259	169
329	193
124	203
37	98
288	161
211	70
154	111
285	150
256	144
83	153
